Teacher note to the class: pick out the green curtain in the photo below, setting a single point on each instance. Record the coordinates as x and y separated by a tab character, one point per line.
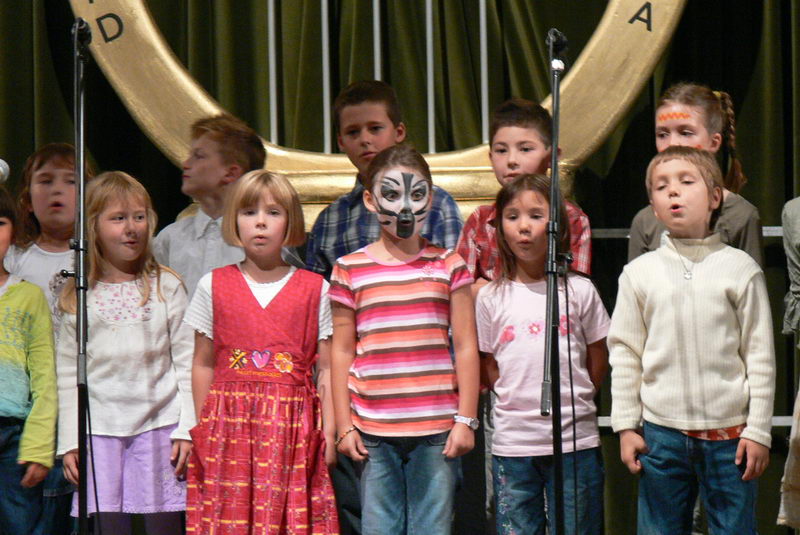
749	48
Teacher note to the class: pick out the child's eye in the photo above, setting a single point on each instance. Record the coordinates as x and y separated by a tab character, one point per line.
499	150
687	132
139	217
275	212
376	128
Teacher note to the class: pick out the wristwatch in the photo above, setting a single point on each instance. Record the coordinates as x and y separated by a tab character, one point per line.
472	423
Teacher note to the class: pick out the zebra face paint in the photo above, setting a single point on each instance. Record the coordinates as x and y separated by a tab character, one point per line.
402	200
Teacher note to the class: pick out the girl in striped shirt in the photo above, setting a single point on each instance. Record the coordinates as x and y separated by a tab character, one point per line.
404	409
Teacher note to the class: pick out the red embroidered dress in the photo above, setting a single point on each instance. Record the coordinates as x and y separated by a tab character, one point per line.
258	460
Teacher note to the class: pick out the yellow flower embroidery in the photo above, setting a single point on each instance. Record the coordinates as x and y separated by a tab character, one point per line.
283	362
237	359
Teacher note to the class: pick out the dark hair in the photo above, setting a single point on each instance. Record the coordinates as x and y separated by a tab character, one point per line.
541	185
8	210
396	155
238	143
525	114
720	118
63	155
367	91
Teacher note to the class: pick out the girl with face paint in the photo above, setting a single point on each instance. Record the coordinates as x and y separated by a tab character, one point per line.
399	399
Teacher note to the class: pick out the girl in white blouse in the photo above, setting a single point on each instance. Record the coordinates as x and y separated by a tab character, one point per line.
139	357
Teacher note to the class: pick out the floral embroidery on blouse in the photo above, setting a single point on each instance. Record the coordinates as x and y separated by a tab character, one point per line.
122	301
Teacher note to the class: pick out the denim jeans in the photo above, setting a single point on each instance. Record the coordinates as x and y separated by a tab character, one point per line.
20	507
407	485
521	484
673	471
57	504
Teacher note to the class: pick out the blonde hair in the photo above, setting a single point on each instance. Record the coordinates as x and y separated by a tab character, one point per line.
248	190
105	189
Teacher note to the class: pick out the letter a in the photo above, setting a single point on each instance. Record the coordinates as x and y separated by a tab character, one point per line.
647	9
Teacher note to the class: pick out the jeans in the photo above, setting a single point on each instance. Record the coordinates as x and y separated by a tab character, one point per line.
521	484
57	504
407	485
673	470
20	507
345	485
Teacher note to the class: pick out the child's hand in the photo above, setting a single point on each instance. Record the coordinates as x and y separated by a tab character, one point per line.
459	442
756	455
180	455
352	446
631	445
330	450
34	474
71	466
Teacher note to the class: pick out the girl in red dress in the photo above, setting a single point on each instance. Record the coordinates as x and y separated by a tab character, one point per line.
260	459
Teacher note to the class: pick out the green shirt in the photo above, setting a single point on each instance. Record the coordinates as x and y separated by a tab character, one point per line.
27	368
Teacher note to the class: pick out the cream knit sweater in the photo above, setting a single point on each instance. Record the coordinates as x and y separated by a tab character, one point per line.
693	354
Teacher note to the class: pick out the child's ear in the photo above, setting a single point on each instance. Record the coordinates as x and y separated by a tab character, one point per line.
716	198
369	202
400	129
232	173
716	142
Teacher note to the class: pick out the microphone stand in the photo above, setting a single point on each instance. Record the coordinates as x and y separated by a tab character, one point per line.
81	37
551	384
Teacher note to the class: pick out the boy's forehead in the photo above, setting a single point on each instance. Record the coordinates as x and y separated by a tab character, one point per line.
518	133
676	165
364	112
205	141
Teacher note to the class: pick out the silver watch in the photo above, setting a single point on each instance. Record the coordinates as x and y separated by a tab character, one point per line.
472	423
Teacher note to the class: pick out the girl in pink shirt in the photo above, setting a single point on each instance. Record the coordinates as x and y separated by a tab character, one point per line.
510	315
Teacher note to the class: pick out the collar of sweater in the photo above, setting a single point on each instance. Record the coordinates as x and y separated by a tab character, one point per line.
694	249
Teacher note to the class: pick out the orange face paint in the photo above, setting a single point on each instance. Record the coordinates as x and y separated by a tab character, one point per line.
673	115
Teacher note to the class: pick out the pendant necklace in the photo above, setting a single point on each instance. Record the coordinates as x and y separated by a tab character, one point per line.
687	273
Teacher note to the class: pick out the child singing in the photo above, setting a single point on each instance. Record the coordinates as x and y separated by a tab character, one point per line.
259	463
402	407
510	313
138	366
693	364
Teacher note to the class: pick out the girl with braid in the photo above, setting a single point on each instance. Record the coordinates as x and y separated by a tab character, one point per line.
693	115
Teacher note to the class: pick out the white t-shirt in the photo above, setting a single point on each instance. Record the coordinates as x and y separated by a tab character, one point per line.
40	267
200	313
511	326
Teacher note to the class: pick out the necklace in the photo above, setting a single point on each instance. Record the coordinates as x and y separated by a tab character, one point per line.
687	273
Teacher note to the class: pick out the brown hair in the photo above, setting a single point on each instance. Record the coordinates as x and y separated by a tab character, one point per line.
107	188
238	143
9	211
703	160
524	114
541	185
248	190
367	91
395	156
62	155
720	118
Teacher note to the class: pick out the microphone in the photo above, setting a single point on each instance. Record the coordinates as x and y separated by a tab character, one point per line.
557	40
5	171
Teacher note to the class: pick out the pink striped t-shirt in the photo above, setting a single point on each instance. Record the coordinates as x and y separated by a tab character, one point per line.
402	381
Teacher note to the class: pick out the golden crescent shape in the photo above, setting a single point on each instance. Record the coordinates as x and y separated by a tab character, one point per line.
164	99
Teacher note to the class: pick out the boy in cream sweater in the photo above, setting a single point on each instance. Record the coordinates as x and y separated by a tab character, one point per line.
693	366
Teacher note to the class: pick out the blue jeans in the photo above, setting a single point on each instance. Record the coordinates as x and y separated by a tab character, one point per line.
20	507
520	485
672	472
407	485
57	504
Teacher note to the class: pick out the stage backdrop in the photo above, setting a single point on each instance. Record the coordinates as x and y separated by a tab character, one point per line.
748	48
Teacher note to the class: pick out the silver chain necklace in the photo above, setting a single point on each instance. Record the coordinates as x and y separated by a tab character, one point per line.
687	273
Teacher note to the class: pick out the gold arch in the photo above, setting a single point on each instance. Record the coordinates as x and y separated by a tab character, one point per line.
164	99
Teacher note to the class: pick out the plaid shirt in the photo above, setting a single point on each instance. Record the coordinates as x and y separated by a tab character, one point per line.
478	242
346	226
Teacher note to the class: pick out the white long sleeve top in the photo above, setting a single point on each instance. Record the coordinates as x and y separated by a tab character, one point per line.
693	354
139	364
